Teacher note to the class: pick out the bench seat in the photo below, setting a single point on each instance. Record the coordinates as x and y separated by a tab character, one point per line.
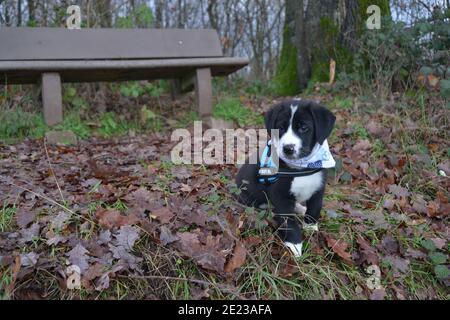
29	72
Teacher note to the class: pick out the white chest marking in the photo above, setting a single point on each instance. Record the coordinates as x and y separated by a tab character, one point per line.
304	187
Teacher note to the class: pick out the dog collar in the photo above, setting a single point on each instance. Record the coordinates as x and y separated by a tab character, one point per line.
269	173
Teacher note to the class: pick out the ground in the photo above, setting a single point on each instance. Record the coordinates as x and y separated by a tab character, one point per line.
137	226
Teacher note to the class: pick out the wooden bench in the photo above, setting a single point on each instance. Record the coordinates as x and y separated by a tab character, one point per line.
50	56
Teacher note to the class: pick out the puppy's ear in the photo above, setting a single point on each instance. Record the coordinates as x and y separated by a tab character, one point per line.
271	116
323	122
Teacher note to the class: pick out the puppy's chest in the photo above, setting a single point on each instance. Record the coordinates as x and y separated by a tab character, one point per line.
302	188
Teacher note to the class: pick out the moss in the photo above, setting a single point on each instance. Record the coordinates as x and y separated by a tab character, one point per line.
329	48
286	79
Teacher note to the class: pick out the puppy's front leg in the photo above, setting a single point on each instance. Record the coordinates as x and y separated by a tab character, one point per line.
313	208
290	232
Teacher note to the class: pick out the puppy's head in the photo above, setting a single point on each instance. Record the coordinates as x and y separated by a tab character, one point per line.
301	125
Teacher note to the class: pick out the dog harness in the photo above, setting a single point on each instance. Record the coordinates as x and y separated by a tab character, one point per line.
319	159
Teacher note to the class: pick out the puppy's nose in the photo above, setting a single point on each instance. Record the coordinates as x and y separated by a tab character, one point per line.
289	149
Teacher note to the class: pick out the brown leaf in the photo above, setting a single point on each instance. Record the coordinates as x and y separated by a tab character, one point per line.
209	255
166	237
362	145
377	130
378	294
25	216
78	256
339	247
369	252
237	259
398	191
389	244
439	243
111	218
127	236
164	215
398	264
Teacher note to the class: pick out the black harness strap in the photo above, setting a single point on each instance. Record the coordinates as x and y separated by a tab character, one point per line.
298	173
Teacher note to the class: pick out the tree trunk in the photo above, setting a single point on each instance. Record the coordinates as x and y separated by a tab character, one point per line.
159	14
19	13
31	12
103	13
286	79
315	32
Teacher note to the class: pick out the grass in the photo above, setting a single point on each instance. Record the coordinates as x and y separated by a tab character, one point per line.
7	217
232	109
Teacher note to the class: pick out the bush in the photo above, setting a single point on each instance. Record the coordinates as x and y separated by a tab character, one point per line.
396	55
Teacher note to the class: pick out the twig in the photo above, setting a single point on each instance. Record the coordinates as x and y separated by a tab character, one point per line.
53	172
53	202
220	287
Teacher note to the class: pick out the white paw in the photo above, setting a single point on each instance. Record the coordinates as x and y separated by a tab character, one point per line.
295	248
263	206
299	209
311	227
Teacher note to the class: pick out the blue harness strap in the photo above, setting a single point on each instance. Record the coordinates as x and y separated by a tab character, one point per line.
268	172
266	168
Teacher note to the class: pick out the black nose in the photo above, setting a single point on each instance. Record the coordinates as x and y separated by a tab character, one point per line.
289	149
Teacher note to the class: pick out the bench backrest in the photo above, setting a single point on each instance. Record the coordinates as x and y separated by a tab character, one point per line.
110	44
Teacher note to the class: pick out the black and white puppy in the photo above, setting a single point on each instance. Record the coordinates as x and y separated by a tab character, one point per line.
303	129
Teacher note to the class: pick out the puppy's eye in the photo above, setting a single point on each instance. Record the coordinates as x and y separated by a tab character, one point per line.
303	129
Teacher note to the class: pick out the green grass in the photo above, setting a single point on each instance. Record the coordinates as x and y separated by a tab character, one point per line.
233	110
6	217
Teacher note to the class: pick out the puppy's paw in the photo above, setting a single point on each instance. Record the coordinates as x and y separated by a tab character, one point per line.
299	209
296	248
311	227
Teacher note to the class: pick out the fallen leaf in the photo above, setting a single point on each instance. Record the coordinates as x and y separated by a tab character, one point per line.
339	247
60	220
439	243
25	216
28	235
389	244
29	259
210	255
127	236
111	218
166	236
164	215
78	257
237	259
378	294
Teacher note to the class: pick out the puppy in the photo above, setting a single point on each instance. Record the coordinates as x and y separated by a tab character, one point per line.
302	149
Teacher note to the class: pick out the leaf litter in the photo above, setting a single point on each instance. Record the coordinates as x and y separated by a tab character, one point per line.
126	197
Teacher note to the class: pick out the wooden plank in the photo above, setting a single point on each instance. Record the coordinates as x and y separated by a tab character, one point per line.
28	72
51	98
112	44
203	91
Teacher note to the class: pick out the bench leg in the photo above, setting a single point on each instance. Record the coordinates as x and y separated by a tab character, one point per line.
175	89
52	98
203	91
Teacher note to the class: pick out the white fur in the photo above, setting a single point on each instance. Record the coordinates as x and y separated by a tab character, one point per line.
289	137
311	227
263	206
302	188
299	209
295	248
